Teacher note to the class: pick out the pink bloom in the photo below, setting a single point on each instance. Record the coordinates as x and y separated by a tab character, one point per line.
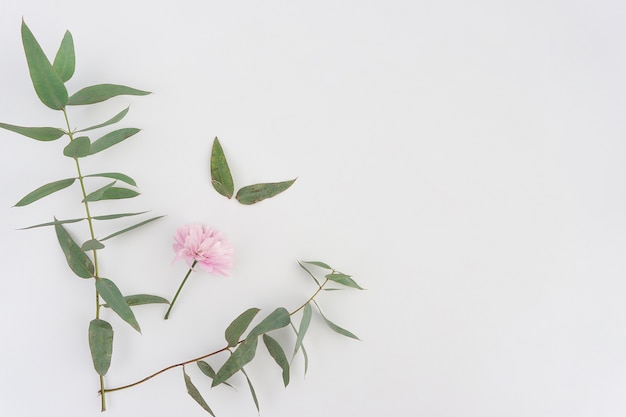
207	246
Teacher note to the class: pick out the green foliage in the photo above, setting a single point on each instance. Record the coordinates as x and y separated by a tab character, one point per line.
92	244
111	121
44	134
117	216
101	345
241	356
101	92
252	390
304	326
44	190
115	175
112	138
65	60
221	178
334	327
128	229
111	193
78	148
259	192
115	300
195	394
54	223
277	319
318	263
77	260
277	352
239	325
343	279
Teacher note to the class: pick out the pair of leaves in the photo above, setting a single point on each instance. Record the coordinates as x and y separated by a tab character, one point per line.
109	192
222	181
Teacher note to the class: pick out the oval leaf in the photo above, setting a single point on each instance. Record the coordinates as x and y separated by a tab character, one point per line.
114	298
44	134
92	244
318	263
343	279
65	60
111	139
239	325
102	92
206	369
258	192
45	190
195	394
220	173
304	326
240	357
277	352
78	148
101	345
48	85
111	121
277	319
77	260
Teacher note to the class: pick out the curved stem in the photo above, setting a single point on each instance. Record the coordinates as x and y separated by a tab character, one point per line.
167	314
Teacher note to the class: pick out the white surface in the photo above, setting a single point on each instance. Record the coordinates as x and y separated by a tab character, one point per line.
463	160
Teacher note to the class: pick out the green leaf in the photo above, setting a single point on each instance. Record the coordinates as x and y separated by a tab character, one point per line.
53	223
48	85
114	298
45	190
101	345
254	193
310	274
77	260
117	216
117	176
111	121
304	326
343	279
112	138
206	369
128	229
318	263
277	319
102	92
109	192
221	178
276	351
195	394
92	244
239	325
334	327
65	60
44	134
78	148
252	391
97	195
241	356
141	299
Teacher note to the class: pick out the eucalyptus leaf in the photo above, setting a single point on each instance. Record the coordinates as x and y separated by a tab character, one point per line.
77	260
304	326
208	371
309	273
54	223
98	194
111	121
336	328
318	263
128	229
252	391
277	319
44	134
112	138
114	193
195	394
117	216
65	59
221	178
142	299
239	325
254	193
115	300
47	83
92	244
102	92
115	175
101	345
45	190
343	279
277	352
241	356
78	148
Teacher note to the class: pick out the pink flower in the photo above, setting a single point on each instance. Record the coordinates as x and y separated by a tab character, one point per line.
204	245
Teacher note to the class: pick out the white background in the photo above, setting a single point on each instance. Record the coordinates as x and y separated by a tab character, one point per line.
462	160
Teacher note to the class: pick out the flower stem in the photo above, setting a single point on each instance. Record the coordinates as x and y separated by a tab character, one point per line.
167	314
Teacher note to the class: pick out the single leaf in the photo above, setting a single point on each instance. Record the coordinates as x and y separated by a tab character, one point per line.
306	360
45	190
44	134
77	260
241	356
309	273
78	148
115	193
65	59
239	325
111	121
98	194
115	175
47	83
221	178
336	328
102	92
53	223
252	391
114	298
92	244
101	345
254	193
117	216
208	371
128	229
195	394
112	138
141	299
318	263
304	326
277	319
277	352
343	279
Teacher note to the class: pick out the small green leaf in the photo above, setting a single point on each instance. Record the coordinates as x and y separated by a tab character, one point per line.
254	193
101	345
65	60
141	299
206	369
241	356
114	298
277	319
115	175
221	178
44	134
112	138
195	394
92	244
111	121
53	223
77	260
343	279
128	229
239	325
102	92
48	85
78	148
336	328
318	263
97	195
252	391
304	326
276	352
117	216
309	273
45	190
116	193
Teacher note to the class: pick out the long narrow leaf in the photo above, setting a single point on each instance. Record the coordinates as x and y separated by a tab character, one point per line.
304	326
97	195
65	59
111	121
195	394
334	327
128	229
343	279
112	138
44	134
252	391
54	223
101	345
77	260
277	319
239	325
258	192
241	356
208	371
117	216
115	175
221	178
44	190
309	273
277	352
142	299
114	193
114	298
102	92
